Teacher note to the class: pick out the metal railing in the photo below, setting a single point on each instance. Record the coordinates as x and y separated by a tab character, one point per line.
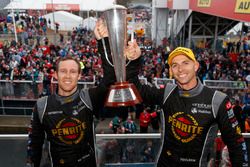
161	82
26	90
105	146
98	136
223	84
108	136
13	148
143	80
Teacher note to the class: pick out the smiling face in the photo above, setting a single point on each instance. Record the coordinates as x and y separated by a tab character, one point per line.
184	71
67	75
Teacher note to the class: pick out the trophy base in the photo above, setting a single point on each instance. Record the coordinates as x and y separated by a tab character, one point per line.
122	94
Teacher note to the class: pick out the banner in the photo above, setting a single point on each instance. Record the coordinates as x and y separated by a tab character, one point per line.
231	9
67	7
170	4
204	3
242	6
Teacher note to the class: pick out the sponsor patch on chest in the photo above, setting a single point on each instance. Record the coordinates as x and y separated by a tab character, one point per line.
201	108
184	127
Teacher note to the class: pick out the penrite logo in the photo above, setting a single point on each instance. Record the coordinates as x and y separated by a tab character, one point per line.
184	127
69	130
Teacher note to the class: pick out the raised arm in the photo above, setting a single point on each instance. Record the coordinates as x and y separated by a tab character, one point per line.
150	95
98	94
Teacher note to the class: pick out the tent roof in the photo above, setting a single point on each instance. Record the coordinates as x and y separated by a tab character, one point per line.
84	5
67	21
64	16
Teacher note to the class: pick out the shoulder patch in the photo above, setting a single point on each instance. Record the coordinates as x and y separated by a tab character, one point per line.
84	95
168	90
218	98
41	107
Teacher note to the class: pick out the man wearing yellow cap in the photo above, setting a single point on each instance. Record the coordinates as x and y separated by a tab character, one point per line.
193	114
184	58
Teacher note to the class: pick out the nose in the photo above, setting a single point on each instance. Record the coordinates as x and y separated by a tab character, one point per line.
67	75
180	68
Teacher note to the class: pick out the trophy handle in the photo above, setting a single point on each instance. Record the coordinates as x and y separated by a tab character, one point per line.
106	55
105	52
128	63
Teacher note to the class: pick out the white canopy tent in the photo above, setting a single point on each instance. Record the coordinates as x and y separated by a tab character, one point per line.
237	28
67	21
89	23
84	5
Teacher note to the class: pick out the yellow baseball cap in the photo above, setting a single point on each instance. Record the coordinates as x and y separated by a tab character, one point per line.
181	50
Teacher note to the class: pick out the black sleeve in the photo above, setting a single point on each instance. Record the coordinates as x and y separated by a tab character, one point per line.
231	134
98	94
35	139
150	95
108	70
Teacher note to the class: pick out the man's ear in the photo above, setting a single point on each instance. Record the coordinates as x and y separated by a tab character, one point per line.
196	66
170	73
79	76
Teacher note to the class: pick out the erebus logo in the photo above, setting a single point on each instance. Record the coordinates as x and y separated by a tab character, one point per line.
194	110
69	130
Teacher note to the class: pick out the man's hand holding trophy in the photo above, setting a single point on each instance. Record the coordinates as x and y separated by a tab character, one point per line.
114	26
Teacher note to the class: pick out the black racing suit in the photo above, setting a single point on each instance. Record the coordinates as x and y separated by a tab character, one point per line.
192	119
67	123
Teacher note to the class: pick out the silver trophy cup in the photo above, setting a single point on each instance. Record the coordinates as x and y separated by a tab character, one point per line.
121	93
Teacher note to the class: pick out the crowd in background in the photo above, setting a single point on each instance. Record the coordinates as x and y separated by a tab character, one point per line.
27	59
34	57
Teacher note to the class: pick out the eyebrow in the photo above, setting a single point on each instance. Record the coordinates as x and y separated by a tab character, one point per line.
187	60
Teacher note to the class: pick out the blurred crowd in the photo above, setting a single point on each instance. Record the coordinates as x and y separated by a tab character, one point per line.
33	58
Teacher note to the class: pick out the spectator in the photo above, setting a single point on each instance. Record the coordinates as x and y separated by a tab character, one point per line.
115	125
148	152
129	125
238	45
57	27
145	119
238	112
129	153
247	125
246	103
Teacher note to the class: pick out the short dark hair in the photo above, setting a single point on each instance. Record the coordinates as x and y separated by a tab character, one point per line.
68	58
92	13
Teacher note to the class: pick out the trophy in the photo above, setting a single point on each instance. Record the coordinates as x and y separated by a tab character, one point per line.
122	93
